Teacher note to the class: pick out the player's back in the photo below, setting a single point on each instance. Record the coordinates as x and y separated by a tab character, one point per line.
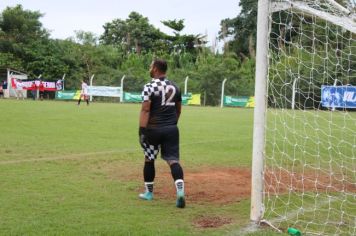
164	96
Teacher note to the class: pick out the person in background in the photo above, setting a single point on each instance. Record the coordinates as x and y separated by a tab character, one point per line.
41	89
4	89
19	90
1	90
84	93
33	90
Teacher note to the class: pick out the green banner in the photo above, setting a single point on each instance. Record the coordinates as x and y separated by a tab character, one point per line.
191	99
240	101
68	95
185	98
132	97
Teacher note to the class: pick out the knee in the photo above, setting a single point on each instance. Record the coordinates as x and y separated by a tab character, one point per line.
171	162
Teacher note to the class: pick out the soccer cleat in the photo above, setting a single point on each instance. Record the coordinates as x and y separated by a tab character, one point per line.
146	196
180	199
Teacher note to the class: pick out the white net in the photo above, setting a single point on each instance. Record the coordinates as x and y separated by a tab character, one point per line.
310	157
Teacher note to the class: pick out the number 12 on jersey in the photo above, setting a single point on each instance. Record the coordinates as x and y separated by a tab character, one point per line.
169	91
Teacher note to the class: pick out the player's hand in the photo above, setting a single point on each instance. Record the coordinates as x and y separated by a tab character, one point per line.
142	134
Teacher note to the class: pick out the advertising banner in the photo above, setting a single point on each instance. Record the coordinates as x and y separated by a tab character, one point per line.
187	99
132	97
251	102
68	95
104	91
35	84
239	101
191	99
338	96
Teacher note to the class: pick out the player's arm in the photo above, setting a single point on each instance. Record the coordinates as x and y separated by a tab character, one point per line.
178	109
145	113
144	116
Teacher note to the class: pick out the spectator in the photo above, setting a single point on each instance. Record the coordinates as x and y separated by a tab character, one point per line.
1	90
34	90
41	89
4	89
19	90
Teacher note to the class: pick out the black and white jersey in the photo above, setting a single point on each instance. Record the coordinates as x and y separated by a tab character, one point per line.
164	95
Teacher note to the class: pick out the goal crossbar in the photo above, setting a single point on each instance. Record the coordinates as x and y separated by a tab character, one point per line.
344	21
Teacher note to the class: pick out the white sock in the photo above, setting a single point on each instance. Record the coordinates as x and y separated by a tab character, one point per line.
149	186
179	183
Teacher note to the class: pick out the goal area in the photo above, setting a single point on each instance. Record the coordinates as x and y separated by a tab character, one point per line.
304	148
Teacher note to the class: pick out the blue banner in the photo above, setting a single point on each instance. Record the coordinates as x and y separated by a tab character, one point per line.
338	96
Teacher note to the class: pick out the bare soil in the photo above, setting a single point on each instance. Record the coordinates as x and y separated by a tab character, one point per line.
223	185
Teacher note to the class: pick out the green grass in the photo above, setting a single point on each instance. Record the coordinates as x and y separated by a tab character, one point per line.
57	162
69	170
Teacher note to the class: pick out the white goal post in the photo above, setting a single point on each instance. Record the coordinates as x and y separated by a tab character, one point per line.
304	150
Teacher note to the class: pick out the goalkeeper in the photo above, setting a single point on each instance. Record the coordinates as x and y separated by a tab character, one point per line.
161	107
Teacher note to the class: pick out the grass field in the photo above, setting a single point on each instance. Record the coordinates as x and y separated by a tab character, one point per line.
69	170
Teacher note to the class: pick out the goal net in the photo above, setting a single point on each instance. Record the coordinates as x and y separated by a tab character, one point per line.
310	130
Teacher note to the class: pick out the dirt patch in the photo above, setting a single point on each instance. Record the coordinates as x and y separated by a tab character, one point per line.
203	185
222	185
282	181
211	222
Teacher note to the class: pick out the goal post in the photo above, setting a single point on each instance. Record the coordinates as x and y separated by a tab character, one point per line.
259	111
304	135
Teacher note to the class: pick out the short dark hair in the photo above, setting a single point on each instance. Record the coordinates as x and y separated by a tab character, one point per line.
161	65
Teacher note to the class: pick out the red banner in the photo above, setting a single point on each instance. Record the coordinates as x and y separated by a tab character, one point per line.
37	84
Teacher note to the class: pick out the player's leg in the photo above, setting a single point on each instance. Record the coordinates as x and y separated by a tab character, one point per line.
150	150
178	177
87	99
170	153
80	99
148	176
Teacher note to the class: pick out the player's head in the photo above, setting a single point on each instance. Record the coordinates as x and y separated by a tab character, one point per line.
158	68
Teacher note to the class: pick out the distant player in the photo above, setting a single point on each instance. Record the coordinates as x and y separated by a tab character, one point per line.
84	93
161	108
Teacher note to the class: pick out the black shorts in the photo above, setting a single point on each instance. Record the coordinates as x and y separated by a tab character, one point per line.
165	139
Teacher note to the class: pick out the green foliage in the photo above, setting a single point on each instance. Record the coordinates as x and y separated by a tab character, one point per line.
177	26
242	28
127	47
134	34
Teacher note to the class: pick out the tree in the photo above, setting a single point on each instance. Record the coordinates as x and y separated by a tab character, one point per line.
22	37
242	28
134	34
178	42
22	26
212	70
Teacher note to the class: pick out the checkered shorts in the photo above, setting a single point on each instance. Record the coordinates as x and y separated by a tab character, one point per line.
164	140
151	151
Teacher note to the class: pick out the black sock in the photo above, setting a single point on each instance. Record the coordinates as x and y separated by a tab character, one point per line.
149	171
87	101
177	171
79	101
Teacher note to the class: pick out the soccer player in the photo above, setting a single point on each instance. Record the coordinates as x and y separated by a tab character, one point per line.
84	93
160	111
